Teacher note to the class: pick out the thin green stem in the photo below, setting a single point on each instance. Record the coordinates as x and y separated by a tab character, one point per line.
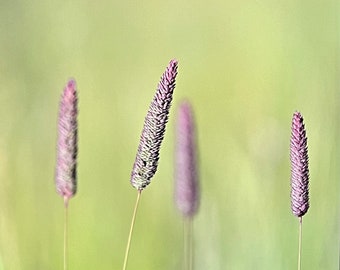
131	230
300	243
65	232
188	243
185	246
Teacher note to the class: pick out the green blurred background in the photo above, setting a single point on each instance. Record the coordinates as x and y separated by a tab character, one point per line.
246	66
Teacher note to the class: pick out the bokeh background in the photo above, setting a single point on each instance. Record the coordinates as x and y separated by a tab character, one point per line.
245	66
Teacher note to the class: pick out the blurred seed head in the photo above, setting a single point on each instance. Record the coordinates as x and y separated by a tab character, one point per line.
147	157
299	167
66	169
186	175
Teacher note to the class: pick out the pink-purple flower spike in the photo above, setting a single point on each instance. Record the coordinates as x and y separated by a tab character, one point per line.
66	169
147	157
186	176
299	167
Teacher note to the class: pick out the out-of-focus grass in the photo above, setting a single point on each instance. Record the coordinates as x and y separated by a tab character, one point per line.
245	65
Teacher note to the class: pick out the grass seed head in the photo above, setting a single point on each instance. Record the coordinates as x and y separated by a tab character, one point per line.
67	149
147	157
299	167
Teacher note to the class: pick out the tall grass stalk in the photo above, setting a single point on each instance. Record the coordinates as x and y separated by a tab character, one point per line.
299	174
186	177
146	161
67	150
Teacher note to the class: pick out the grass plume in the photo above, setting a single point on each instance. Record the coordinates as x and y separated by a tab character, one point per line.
67	150
186	176
147	157
299	173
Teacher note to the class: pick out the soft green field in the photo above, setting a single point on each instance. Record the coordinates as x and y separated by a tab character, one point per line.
246	66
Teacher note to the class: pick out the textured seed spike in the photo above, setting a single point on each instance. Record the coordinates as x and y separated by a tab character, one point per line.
66	169
299	167
186	176
147	157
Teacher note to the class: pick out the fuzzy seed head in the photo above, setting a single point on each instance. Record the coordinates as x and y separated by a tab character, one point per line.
147	157
66	169
299	167
186	176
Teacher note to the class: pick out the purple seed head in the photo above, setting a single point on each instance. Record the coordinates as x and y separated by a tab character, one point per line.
186	176
66	169
299	167
153	131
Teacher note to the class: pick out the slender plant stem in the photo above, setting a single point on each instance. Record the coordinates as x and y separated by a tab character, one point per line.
65	232
185	246
131	230
188	244
300	242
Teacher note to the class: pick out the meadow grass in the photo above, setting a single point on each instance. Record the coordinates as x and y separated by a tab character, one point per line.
246	66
